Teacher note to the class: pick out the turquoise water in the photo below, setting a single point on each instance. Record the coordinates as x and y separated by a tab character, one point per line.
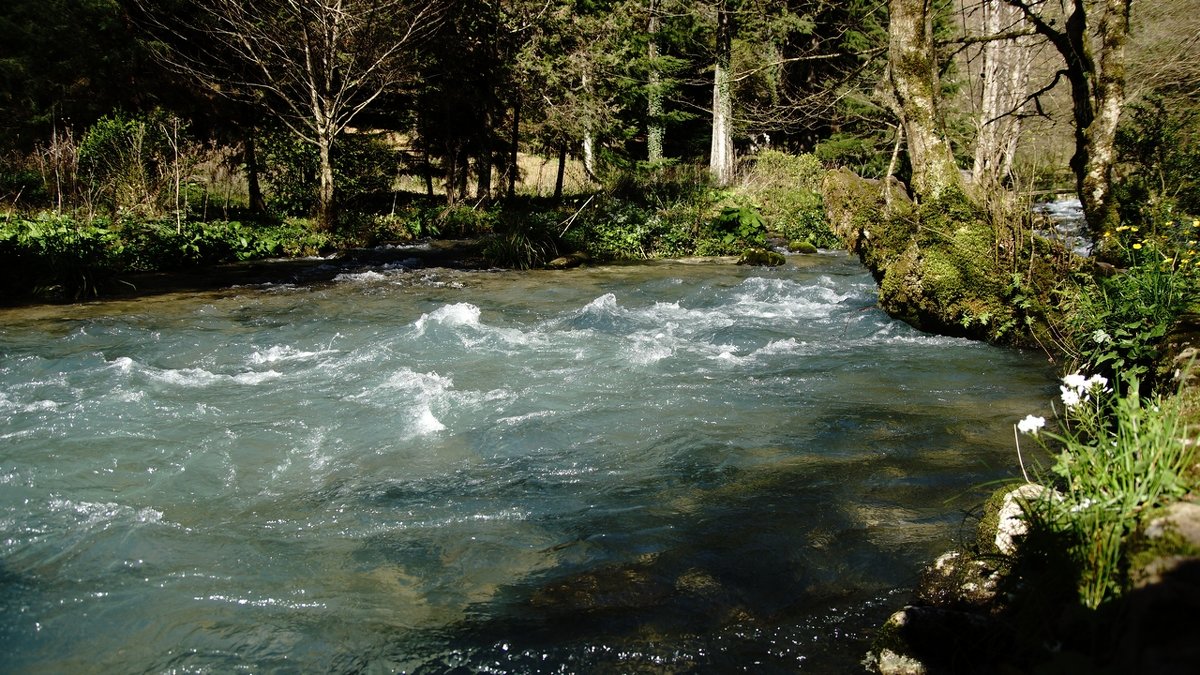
671	467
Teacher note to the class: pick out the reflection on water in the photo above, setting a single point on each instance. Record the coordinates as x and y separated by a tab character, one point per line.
674	466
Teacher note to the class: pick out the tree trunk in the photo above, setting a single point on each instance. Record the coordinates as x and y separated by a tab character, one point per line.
483	176
514	149
1096	194
915	83
655	132
257	204
326	213
1097	95
721	159
562	171
1005	83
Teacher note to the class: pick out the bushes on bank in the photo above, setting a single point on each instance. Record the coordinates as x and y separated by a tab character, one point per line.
59	257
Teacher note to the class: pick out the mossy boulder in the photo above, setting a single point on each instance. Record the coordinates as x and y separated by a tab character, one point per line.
802	246
568	261
944	266
761	257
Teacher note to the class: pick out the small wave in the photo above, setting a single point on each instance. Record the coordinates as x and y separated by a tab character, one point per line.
100	513
279	353
36	406
458	314
788	346
606	303
360	277
192	377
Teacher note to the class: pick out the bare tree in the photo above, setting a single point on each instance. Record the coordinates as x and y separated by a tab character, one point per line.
1094	65
1007	55
313	65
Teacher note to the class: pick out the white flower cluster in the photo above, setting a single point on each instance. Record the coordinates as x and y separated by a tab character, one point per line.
1031	424
1076	388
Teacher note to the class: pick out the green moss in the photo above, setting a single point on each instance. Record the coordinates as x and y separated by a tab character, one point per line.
762	257
802	247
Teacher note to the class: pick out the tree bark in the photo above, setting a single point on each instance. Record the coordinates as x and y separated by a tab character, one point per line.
562	171
326	208
514	149
915	83
1096	194
655	132
257	203
721	158
1005	83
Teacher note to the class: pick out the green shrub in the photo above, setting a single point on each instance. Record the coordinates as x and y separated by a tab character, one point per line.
1159	144
787	190
363	166
1119	321
130	162
55	256
740	226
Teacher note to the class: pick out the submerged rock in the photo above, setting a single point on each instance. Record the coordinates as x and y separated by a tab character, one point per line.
568	261
762	257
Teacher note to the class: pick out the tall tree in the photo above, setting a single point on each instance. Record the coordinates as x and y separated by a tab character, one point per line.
914	77
313	65
721	162
1094	66
1007	55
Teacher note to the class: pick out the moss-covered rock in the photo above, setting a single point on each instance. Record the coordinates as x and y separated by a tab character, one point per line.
944	266
802	246
762	257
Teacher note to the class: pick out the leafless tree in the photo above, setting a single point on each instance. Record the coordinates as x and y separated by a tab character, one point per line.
1005	58
1094	65
314	65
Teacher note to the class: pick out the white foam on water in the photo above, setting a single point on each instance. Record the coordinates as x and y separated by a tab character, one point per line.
458	314
9	405
788	346
648	349
278	353
606	303
102	513
360	277
426	423
192	377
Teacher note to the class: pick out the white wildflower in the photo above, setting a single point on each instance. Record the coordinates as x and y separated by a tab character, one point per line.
1101	337
1075	381
1070	397
1097	382
1031	424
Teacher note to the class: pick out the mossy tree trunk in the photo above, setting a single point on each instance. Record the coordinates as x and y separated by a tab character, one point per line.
654	93
914	80
1097	94
721	160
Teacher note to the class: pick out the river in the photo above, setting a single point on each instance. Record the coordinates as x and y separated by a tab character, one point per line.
664	467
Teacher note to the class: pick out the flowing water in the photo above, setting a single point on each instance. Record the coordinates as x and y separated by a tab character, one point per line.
670	467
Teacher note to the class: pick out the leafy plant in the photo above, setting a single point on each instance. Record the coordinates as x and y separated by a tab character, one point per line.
742	224
1121	455
1119	321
